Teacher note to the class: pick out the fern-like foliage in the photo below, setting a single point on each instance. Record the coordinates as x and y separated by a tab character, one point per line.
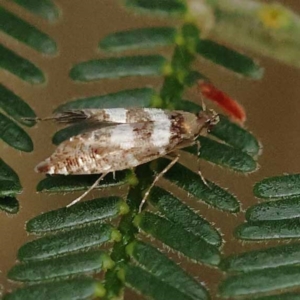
99	247
272	270
14	110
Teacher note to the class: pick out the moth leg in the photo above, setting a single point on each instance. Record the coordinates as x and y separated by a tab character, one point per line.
198	164
86	192
165	170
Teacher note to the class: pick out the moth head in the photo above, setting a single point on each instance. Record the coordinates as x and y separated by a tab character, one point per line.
208	119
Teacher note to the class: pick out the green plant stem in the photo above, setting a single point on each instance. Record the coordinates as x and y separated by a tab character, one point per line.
183	57
114	281
171	94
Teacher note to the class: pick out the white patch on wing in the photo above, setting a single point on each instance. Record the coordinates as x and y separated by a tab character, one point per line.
157	114
161	133
86	168
63	171
117	115
132	161
80	162
51	170
123	136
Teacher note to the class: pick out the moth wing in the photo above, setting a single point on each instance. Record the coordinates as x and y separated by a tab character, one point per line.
88	116
111	149
112	115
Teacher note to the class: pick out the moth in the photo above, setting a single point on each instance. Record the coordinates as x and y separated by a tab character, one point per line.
123	138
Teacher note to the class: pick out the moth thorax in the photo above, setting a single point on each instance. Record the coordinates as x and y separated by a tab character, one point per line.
190	124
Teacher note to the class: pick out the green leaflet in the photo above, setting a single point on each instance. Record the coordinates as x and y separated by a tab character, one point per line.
142	97
287	296
274	210
65	266
14	135
278	187
62	183
273	279
179	213
20	66
7	173
229	59
9	187
166	7
224	155
272	257
26	33
9	205
192	183
174	236
17	108
265	230
45	9
142	38
117	67
236	136
147	284
81	288
67	241
166	270
81	213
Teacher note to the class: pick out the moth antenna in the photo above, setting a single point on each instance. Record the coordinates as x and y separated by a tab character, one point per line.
69	117
37	119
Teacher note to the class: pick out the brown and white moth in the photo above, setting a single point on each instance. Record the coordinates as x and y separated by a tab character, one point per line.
122	138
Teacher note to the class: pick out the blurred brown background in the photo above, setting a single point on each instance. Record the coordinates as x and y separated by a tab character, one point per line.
271	104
